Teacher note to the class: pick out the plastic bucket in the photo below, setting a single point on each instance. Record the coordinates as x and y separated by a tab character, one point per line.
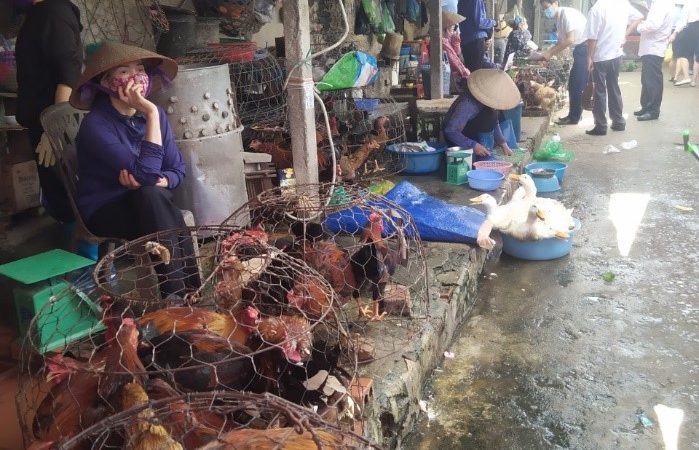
558	167
207	31
181	36
514	115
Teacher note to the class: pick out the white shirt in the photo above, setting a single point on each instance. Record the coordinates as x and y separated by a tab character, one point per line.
450	5
656	29
692	7
606	23
570	19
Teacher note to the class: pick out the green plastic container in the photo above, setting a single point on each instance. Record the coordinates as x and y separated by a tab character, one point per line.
65	314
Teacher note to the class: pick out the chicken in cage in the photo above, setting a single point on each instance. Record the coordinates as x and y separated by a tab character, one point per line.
362	130
248	332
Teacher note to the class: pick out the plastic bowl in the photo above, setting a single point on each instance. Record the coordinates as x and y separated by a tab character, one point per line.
501	166
546	184
559	167
484	179
366	104
542	250
418	163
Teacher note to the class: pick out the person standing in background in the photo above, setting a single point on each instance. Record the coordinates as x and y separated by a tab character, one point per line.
49	61
608	23
570	25
655	33
474	31
687	39
451	43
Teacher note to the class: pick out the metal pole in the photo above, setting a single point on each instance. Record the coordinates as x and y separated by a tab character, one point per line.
300	101
436	50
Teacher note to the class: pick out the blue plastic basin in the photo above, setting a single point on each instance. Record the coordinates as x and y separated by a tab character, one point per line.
417	163
542	250
550	184
366	104
559	167
484	179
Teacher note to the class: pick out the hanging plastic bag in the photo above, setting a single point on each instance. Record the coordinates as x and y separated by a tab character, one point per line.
353	70
412	10
387	24
553	150
668	54
361	22
372	9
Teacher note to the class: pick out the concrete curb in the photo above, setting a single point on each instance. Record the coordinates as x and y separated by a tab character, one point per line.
453	270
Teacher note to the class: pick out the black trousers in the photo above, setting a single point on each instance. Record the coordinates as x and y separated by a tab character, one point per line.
473	54
54	195
147	210
606	77
651	83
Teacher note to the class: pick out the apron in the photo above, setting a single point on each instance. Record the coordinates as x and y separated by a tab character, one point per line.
480	129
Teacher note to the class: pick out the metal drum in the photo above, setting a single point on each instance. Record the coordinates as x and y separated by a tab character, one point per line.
201	111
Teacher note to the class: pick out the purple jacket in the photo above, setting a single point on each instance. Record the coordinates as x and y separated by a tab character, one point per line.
108	142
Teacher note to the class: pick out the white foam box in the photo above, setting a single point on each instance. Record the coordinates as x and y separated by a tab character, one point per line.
19	185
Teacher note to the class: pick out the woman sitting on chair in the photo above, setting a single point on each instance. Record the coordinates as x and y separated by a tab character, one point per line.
128	162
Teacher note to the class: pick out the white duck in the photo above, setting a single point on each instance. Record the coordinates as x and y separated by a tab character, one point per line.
502	217
534	229
553	212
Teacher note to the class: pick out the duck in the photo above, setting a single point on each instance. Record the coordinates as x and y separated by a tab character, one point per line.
535	228
502	217
553	212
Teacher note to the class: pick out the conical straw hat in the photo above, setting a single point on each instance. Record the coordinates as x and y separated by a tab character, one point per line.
113	54
494	88
449	19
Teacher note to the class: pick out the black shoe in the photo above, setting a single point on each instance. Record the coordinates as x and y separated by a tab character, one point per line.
566	121
597	131
618	126
640	112
648	116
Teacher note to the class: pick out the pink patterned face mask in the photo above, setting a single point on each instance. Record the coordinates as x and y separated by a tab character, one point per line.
122	81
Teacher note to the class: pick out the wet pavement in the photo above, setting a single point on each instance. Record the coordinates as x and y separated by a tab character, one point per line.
554	356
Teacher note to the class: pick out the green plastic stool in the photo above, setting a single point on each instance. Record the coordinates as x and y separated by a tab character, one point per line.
64	314
458	167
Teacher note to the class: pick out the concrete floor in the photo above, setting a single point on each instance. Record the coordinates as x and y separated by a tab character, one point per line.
555	357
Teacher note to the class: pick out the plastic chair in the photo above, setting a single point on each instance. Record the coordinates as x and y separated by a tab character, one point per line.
61	123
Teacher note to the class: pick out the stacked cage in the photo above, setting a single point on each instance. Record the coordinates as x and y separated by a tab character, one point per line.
191	311
365	247
363	131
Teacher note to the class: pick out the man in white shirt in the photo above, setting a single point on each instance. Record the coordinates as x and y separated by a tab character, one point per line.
655	33
606	31
570	26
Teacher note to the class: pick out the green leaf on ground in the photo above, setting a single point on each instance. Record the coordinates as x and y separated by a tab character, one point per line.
608	276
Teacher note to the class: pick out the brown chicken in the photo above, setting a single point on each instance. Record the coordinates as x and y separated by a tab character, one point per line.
350	163
193	428
380	131
283	158
204	361
235	327
292	334
276	438
73	402
144	432
311	297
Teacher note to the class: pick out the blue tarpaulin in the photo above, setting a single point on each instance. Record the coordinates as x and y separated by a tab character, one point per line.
436	220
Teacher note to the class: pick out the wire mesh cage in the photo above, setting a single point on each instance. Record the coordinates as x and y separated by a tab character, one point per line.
362	129
154	416
364	245
249	331
256	78
542	87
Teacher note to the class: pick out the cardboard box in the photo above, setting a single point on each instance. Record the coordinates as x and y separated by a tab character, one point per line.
19	186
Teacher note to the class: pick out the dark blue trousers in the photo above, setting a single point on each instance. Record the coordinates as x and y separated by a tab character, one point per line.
577	82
